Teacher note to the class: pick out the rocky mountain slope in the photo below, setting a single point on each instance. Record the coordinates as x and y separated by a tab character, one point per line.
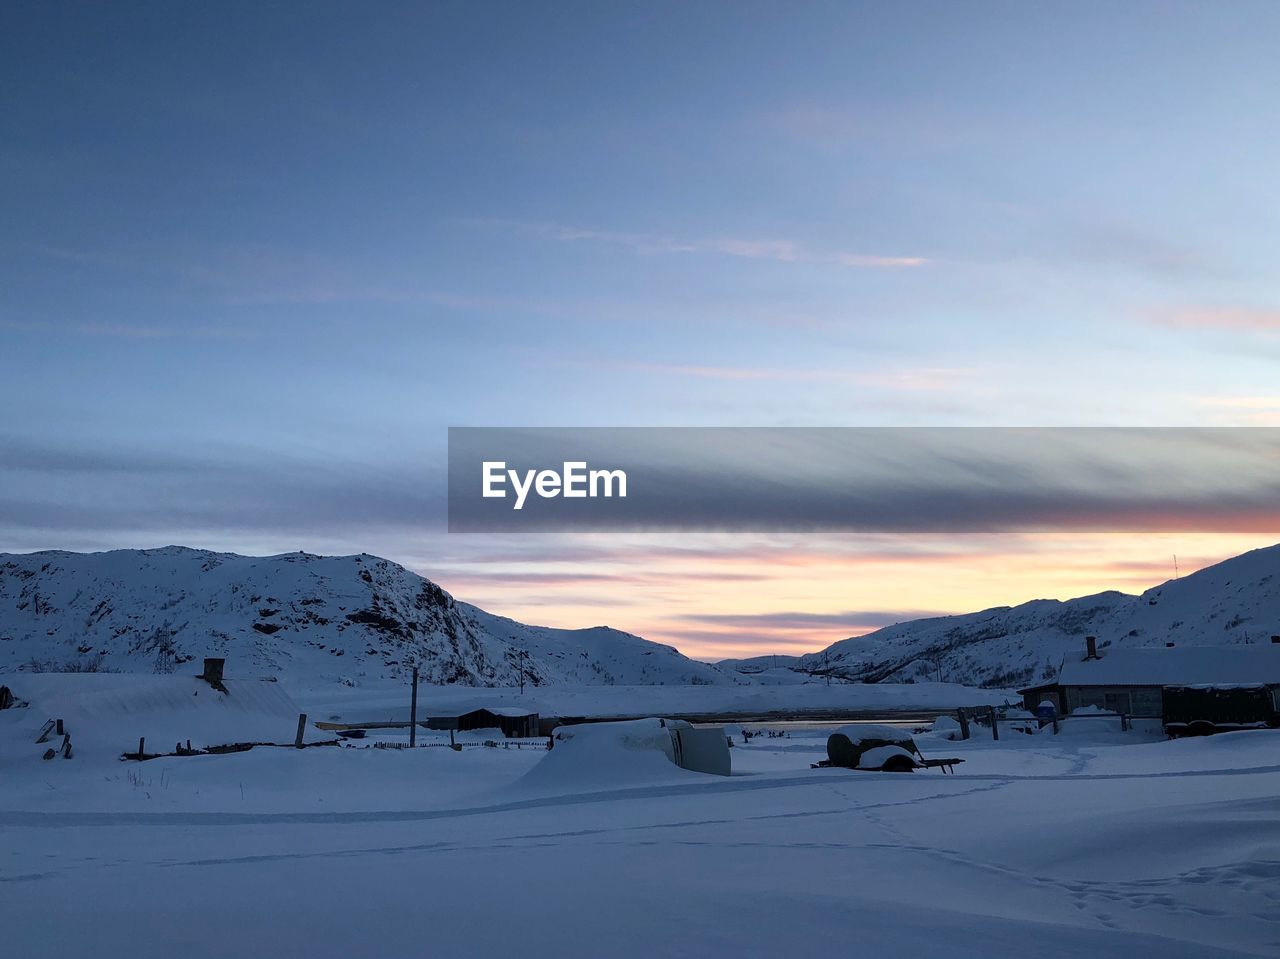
1236	601
340	618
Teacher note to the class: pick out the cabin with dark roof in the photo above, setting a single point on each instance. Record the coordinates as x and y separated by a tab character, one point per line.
1131	681
516	722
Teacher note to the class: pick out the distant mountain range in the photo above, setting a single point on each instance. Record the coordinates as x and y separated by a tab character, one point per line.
759	664
1235	601
298	616
355	618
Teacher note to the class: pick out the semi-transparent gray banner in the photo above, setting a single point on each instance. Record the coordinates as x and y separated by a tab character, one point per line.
863	479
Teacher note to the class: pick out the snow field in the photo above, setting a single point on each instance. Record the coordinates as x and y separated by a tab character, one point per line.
1081	844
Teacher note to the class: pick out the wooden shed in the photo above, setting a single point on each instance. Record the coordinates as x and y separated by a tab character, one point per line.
1131	680
514	721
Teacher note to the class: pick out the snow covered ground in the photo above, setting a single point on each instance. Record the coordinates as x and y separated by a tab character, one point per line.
1089	843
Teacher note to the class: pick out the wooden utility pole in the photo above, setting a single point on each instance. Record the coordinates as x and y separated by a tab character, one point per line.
302	728
413	711
995	723
522	656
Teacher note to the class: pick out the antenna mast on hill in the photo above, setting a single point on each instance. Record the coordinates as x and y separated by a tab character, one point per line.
1175	565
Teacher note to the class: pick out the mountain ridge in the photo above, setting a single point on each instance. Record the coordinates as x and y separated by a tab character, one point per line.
1234	601
339	618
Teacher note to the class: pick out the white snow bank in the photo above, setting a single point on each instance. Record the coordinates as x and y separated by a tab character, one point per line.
111	711
605	754
1101	727
944	727
490	735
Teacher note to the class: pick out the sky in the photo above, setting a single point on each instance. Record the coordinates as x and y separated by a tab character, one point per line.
256	259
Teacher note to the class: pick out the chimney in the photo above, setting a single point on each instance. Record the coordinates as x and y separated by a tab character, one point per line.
1091	647
213	673
213	669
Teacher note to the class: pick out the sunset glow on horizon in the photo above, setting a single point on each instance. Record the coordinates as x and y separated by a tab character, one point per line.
719	599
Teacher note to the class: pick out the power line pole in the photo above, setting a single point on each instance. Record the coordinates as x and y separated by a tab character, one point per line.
413	711
522	656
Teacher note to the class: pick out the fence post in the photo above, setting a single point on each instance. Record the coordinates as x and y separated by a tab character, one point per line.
995	723
964	723
302	728
413	711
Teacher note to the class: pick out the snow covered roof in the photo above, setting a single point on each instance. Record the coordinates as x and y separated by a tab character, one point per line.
1176	666
455	712
509	710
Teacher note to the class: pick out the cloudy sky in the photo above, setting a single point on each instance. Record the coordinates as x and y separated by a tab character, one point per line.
257	258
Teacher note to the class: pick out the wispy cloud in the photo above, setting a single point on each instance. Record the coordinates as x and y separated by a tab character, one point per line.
838	127
711	645
132	331
499	580
1236	410
924	378
1124	245
1228	318
851	621
778	250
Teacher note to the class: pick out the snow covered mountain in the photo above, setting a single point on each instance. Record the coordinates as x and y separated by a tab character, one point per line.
340	618
1235	601
759	664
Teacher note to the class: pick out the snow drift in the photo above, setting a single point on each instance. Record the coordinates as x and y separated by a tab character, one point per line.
592	755
109	713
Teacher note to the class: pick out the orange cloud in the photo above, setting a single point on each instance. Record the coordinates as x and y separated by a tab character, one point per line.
720	597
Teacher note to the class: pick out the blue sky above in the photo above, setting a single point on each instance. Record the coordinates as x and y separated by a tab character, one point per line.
291	244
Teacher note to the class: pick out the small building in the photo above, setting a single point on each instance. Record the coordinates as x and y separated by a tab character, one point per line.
516	722
1131	680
